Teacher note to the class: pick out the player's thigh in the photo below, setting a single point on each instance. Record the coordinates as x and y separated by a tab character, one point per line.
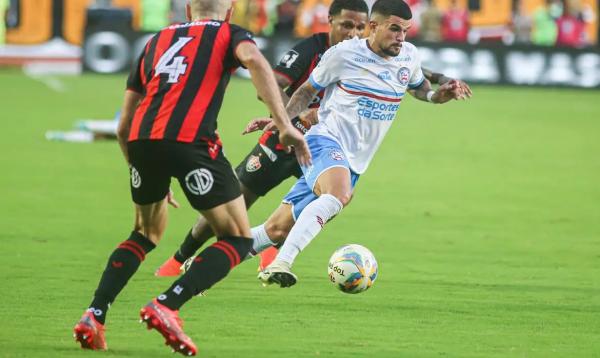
335	181
149	183
229	219
279	224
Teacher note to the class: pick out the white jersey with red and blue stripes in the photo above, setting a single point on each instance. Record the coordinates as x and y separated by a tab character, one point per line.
362	94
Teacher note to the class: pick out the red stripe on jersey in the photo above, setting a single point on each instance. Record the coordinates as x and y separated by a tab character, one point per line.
214	72
164	41
172	97
367	94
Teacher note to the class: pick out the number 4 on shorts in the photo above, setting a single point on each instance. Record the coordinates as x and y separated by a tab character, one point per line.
171	64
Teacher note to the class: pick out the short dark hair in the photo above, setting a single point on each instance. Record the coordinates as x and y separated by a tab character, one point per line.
337	6
392	7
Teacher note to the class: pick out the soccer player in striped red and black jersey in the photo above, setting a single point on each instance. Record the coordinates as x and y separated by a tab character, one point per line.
168	129
268	164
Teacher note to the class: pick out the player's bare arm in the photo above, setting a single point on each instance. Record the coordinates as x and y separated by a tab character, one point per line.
266	86
130	103
446	92
440	79
283	83
301	99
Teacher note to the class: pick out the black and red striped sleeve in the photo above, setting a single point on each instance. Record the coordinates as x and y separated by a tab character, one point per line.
296	62
134	81
238	36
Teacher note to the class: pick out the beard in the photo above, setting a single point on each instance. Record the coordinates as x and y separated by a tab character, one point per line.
392	50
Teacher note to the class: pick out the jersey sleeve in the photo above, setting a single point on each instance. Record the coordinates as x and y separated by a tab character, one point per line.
239	35
329	69
134	81
417	77
296	62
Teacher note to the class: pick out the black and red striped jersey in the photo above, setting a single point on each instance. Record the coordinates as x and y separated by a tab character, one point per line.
182	75
297	64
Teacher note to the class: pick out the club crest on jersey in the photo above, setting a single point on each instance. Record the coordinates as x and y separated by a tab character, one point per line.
199	181
404	76
253	164
336	155
289	58
136	179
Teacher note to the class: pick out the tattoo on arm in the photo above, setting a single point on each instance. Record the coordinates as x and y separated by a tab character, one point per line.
433	77
300	99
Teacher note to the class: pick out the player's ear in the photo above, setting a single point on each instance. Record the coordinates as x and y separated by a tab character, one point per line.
372	26
330	19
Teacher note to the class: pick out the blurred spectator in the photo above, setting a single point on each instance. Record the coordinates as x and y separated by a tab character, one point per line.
154	14
313	17
286	14
3	11
177	14
431	23
417	8
571	29
556	8
521	23
544	27
455	23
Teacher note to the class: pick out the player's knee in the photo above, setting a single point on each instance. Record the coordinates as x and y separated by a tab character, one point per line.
276	231
344	198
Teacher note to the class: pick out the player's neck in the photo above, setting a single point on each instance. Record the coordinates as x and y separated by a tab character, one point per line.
207	15
377	50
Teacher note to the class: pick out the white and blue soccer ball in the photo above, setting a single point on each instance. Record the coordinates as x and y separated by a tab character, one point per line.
352	268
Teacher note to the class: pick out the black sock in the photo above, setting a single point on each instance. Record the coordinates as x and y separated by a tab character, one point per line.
188	248
122	264
208	268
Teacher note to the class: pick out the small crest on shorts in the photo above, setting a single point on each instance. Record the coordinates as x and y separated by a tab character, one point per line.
404	76
253	164
336	155
136	179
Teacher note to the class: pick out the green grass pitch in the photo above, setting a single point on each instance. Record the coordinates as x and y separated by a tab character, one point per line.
484	217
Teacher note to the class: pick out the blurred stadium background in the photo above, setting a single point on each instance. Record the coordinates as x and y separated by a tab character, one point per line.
484	214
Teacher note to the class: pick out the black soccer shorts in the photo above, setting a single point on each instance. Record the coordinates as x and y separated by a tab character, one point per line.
267	165
205	175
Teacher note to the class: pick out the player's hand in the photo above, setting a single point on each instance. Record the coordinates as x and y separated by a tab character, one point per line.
290	137
258	124
309	117
171	199
447	92
464	89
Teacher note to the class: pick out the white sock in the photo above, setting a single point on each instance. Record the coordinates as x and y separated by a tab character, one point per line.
260	241
309	224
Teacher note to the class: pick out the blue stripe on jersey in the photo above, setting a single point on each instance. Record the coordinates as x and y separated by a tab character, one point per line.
363	88
315	84
416	85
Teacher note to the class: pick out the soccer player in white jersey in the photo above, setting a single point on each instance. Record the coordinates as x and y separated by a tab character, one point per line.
365	81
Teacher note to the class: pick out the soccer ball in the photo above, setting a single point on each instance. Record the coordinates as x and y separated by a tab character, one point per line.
352	268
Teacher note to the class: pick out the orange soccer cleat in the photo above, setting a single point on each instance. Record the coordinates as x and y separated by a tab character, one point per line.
89	332
171	267
168	323
266	257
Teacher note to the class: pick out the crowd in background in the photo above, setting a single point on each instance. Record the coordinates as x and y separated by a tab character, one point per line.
570	23
558	22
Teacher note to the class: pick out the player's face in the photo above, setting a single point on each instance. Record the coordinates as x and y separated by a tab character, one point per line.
346	25
390	34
